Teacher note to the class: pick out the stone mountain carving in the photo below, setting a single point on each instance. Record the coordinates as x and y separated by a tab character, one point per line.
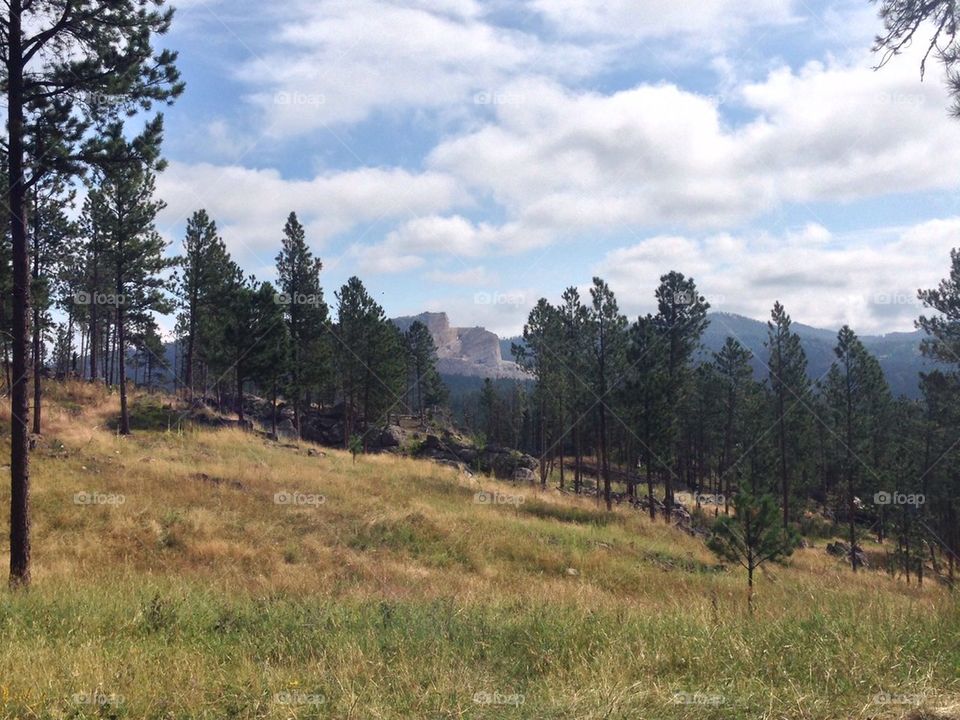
473	352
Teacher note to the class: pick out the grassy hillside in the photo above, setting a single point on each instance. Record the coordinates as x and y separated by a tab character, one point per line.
175	579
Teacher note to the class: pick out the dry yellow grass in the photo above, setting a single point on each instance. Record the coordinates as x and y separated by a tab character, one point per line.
615	614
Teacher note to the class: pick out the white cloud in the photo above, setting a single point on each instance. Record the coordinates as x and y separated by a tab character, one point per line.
823	280
338	61
657	154
442	238
710	20
251	206
470	277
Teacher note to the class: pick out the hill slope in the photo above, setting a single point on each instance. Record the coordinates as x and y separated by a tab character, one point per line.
197	573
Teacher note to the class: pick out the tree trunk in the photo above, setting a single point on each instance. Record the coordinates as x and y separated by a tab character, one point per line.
37	340
94	334
121	365
7	380
37	348
853	522
563	435
578	463
239	396
296	412
273	413
603	456
19	441
188	360
653	510
782	440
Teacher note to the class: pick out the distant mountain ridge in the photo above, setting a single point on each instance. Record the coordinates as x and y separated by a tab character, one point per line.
898	352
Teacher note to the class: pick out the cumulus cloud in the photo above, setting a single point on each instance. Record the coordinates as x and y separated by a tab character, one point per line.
823	279
251	206
661	155
440	238
339	61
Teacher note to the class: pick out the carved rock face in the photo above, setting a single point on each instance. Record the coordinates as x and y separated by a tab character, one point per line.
473	352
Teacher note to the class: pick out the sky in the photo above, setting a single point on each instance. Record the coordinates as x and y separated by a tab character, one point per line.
472	156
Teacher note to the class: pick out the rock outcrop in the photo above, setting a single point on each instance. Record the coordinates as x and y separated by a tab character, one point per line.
501	462
472	352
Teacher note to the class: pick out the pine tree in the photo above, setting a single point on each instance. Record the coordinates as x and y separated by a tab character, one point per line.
790	386
703	412
608	342
53	234
125	212
253	336
903	18
306	315
149	350
646	395
942	341
940	390
369	356
575	361
735	377
61	56
753	536
681	319
540	356
200	288
490	411
856	394
425	389
940	440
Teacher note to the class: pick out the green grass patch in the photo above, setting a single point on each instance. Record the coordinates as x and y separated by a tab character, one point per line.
566	513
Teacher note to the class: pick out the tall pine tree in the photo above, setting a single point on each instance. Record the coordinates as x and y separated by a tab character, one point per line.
790	386
306	315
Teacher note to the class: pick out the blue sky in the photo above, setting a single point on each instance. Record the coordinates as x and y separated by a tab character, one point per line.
472	156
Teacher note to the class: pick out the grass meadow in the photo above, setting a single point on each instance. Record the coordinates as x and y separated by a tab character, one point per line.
186	572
